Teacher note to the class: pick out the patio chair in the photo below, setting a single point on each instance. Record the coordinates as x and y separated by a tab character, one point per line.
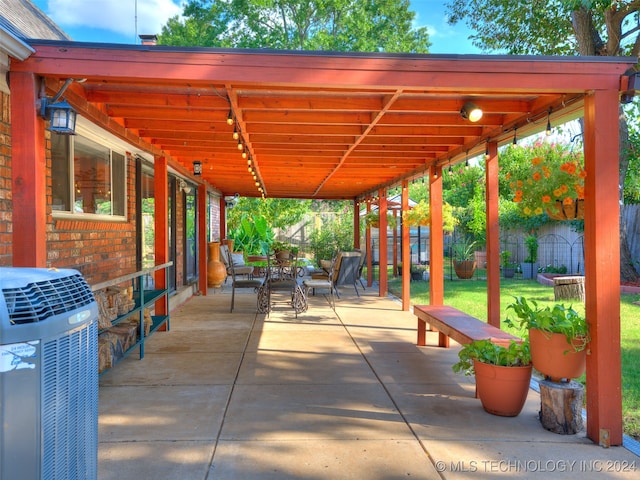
237	259
239	283
326	282
345	271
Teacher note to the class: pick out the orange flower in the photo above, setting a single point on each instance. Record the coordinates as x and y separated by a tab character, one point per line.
555	173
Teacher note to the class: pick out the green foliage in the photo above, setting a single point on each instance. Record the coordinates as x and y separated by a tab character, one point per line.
253	236
632	179
330	25
372	219
505	259
333	237
556	319
463	249
515	355
278	212
531	242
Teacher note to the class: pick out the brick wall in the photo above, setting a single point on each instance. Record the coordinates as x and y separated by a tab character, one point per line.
6	256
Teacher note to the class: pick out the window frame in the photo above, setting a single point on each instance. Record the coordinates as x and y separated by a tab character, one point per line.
96	134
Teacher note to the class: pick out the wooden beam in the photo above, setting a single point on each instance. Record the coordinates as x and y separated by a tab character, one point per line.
29	174
602	258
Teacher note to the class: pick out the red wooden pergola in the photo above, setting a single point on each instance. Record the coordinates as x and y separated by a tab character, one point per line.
319	125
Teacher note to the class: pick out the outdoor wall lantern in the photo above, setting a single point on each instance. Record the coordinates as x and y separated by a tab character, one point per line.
61	115
470	111
197	168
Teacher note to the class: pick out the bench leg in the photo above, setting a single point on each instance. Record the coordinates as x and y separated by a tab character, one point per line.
422	327
443	340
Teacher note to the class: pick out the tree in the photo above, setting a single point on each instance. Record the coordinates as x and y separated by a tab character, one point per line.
560	27
338	25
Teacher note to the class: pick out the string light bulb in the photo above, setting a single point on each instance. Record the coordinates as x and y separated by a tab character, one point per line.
240	146
548	131
236	135
230	118
515	136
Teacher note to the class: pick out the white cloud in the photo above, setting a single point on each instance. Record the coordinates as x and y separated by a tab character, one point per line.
114	15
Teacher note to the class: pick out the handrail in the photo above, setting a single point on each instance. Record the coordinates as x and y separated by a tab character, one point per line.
129	276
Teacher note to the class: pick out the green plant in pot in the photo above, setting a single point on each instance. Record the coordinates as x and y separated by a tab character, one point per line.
530	264
508	267
502	373
463	257
559	337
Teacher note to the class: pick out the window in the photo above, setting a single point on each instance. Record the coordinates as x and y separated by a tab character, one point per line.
88	176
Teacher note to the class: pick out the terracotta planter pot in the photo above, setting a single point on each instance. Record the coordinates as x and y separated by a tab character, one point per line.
554	357
502	390
216	271
464	269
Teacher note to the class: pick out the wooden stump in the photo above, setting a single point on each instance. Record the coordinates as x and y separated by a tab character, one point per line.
569	288
561	406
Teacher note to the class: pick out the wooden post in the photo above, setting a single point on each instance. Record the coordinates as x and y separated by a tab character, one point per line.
384	248
29	172
436	241
202	239
602	272
406	250
493	237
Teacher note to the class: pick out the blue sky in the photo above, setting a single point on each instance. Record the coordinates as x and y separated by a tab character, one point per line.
120	21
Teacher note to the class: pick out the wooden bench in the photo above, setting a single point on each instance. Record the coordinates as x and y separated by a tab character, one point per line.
452	323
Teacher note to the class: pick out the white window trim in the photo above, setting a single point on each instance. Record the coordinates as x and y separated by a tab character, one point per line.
101	136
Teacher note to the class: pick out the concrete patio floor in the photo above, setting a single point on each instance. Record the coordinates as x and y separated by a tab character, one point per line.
329	395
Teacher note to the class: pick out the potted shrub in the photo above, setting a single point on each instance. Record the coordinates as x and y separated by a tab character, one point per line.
417	272
558	336
530	264
508	267
502	374
463	258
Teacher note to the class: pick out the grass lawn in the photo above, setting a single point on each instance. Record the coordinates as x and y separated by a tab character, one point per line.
470	296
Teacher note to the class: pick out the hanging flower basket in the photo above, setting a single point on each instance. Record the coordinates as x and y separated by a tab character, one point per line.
567	209
553	183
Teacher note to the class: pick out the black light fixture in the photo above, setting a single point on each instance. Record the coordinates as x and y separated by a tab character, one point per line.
515	136
61	115
486	152
466	161
197	168
548	131
450	170
230	118
470	111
